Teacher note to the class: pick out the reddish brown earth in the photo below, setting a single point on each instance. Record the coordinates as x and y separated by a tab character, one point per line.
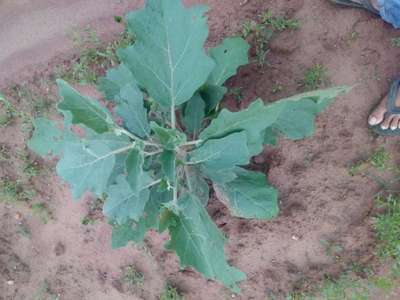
319	199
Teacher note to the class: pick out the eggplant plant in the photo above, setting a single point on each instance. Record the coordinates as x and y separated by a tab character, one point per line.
163	141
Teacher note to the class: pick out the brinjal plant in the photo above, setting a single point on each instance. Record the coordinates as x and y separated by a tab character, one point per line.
163	141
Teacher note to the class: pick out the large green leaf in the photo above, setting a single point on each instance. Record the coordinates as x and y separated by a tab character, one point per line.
231	54
297	119
169	138
86	165
253	120
249	195
168	57
123	203
221	154
114	81
321	97
193	114
47	138
135	231
199	243
84	110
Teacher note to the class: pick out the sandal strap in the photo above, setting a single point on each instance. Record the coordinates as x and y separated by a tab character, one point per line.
392	97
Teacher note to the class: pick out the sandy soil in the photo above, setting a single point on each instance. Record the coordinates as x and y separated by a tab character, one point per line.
319	199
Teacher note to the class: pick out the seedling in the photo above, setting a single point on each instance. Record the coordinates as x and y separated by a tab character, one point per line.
380	158
41	211
315	77
279	23
133	277
155	167
170	293
7	111
396	42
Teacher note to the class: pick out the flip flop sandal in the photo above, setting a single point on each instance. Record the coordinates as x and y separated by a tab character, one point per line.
392	109
365	4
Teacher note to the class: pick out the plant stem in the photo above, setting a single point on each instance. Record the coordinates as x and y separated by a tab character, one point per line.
192	143
173	116
153	153
135	137
152	184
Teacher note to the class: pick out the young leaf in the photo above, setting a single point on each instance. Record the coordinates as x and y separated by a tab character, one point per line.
168	166
199	243
131	109
135	231
114	81
86	166
253	120
84	110
212	96
193	114
134	168
231	54
221	154
168	57
249	195
197	185
169	138
47	138
123	203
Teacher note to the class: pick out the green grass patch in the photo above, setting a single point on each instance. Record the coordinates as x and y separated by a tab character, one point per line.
396	42
315	77
170	293
132	276
41	211
278	23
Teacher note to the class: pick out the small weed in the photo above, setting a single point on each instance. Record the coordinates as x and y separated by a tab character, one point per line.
170	293
315	77
32	169
42	212
332	249
237	93
357	168
385	284
387	227
379	159
44	293
93	56
23	230
4	153
9	190
12	191
7	111
133	277
279	23
396	42
277	88
118	19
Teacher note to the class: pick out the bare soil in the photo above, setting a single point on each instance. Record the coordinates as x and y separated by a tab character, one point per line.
319	200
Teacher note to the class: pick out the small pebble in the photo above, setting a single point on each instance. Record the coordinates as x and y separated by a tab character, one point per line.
10	282
295	237
18	216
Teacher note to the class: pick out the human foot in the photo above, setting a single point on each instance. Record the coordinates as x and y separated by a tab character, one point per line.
378	116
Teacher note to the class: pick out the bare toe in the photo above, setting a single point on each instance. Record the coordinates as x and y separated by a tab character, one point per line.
394	124
378	114
386	122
